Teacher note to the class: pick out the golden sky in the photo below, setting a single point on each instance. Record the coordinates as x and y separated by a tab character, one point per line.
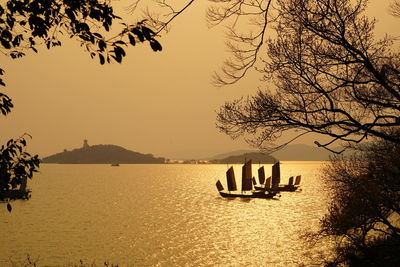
161	103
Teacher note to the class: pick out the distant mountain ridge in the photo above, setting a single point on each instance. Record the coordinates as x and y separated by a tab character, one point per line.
232	153
301	152
254	156
101	154
294	152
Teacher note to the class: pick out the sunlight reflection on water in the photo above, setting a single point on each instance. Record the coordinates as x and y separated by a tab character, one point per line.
160	215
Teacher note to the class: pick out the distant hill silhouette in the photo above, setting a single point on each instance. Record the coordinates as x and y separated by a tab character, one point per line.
101	154
254	156
294	152
300	152
232	153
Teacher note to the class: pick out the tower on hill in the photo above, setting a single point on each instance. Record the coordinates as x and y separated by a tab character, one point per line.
85	144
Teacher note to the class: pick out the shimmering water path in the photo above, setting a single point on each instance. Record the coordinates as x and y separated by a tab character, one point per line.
159	215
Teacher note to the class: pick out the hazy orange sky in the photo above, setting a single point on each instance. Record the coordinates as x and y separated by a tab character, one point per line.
159	103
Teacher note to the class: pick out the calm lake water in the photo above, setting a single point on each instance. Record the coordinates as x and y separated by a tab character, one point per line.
160	215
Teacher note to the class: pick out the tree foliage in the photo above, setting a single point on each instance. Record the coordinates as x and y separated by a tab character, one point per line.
15	165
364	215
325	72
330	74
25	25
324	69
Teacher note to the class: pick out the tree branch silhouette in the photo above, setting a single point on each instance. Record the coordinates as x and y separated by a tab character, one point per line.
327	74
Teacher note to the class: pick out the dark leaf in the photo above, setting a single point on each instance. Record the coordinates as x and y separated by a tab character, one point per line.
5	44
118	55
84	37
155	45
10	21
106	26
98	35
6	35
31	41
102	45
17	40
102	61
9	142
148	33
120	42
138	33
120	50
70	14
131	39
9	207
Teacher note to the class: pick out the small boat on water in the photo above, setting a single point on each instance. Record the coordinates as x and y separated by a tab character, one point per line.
115	165
273	183
247	185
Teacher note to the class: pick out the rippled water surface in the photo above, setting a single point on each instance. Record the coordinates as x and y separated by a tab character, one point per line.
160	215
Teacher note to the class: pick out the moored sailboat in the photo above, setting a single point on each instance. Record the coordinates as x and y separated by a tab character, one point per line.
275	179
247	185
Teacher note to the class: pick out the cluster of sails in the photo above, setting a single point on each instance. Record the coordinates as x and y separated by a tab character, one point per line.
267	188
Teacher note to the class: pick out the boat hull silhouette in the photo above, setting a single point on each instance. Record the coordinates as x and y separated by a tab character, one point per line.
281	188
254	194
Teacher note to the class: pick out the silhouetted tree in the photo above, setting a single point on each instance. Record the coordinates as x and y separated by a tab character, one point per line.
27	24
16	166
364	214
329	74
326	73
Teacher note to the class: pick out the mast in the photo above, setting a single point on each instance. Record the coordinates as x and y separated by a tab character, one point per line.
230	179
247	177
276	175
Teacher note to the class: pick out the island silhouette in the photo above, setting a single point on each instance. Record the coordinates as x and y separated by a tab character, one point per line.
101	154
